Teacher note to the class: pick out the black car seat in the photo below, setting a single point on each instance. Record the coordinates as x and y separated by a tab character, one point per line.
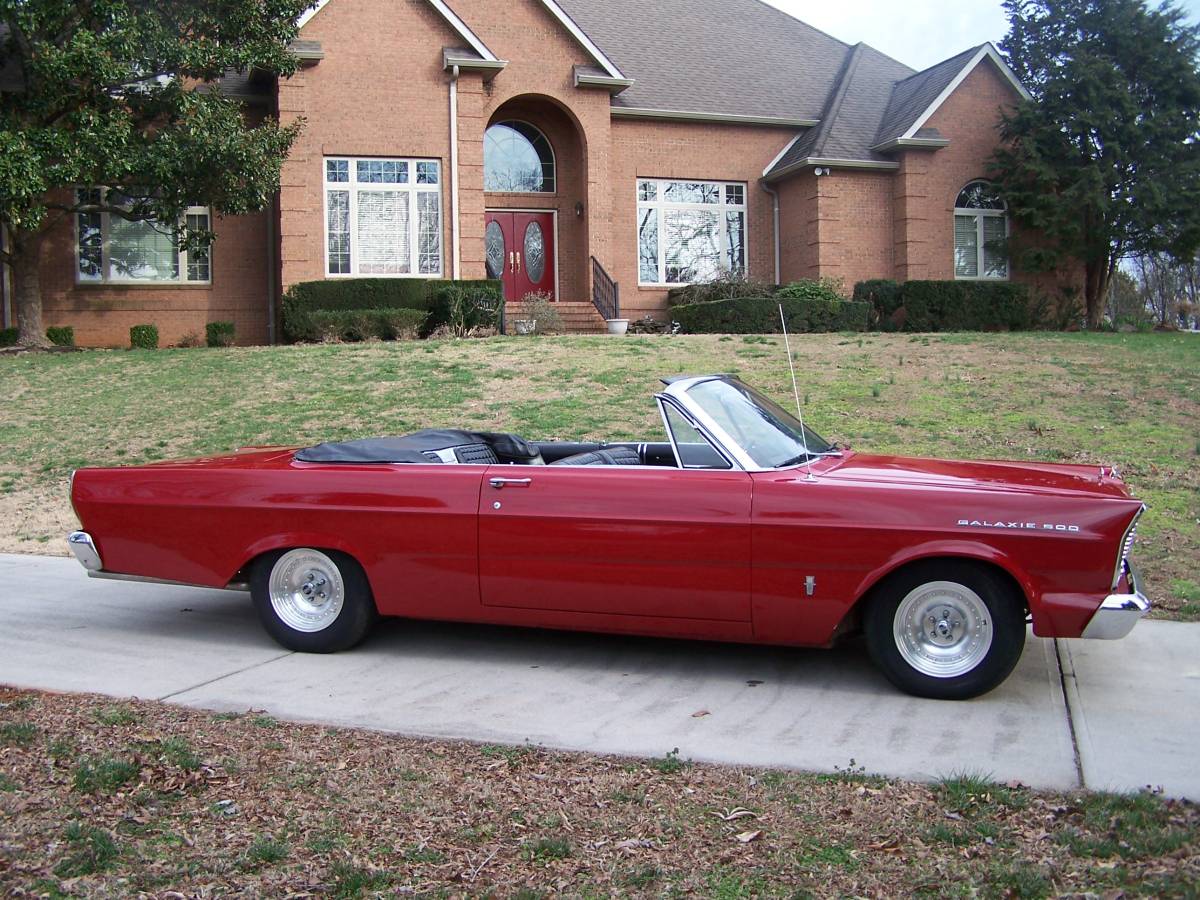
607	456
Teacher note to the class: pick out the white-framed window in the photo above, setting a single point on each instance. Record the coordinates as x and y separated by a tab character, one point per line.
690	231
110	249
980	234
383	217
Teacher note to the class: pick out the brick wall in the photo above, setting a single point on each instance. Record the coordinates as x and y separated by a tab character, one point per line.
102	315
650	149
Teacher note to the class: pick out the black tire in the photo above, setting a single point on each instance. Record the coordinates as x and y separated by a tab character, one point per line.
928	654
328	631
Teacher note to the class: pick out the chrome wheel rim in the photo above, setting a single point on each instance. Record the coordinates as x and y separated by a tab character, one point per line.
306	588
943	629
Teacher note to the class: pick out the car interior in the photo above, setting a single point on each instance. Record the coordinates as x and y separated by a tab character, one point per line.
454	447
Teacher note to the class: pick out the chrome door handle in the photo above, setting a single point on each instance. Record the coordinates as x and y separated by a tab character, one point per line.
512	261
499	483
518	260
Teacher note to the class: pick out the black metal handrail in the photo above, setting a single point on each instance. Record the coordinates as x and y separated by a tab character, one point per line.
606	296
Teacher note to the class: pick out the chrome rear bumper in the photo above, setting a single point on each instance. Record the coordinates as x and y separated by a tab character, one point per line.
85	551
1119	612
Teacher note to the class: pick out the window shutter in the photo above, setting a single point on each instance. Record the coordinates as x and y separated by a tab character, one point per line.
966	247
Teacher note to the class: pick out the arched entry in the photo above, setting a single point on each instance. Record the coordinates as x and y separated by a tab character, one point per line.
535	179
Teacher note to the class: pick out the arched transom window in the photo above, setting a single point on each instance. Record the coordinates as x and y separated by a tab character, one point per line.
517	157
980	233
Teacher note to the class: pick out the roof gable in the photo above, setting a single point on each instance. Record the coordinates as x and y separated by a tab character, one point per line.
916	99
460	27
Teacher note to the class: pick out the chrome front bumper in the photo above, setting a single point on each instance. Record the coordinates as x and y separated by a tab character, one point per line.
1119	612
85	551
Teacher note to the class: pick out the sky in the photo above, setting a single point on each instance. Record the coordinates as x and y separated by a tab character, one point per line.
919	33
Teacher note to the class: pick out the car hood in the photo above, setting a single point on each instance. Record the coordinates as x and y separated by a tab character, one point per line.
987	474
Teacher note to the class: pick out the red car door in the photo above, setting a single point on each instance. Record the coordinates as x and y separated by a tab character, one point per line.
627	541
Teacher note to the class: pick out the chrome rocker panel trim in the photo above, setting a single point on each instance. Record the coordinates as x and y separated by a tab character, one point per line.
85	551
1119	612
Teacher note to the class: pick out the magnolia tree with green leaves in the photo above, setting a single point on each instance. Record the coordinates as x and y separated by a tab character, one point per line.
116	106
1103	164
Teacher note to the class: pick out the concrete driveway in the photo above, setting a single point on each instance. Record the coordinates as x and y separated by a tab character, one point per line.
1118	715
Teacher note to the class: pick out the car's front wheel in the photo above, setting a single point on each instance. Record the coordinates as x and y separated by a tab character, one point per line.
315	601
948	629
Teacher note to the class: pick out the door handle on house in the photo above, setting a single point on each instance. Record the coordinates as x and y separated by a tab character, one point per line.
512	261
499	483
518	260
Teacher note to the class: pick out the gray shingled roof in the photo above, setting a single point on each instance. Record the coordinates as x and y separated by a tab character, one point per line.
744	58
851	115
729	57
912	96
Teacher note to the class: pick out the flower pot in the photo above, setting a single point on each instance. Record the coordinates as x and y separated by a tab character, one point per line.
617	326
525	326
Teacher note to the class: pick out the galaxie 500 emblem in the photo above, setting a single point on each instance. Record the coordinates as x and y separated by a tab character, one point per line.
1017	526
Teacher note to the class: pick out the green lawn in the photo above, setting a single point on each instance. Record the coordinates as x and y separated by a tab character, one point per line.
1131	400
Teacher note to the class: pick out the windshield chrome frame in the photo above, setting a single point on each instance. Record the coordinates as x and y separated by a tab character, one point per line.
721	439
663	401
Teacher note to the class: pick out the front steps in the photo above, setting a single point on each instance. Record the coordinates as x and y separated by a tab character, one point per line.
577	318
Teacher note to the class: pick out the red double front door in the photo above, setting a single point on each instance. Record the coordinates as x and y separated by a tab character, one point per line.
519	250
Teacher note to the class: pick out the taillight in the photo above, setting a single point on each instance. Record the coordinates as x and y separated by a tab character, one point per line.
1126	546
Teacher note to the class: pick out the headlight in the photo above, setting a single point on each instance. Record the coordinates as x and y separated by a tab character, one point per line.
1126	546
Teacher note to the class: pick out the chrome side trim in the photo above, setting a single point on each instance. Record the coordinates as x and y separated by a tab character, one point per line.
84	548
145	579
1125	547
1119	612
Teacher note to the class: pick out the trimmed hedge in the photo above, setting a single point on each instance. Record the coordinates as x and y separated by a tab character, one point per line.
363	324
949	305
8	337
143	337
61	335
219	334
884	296
760	315
438	303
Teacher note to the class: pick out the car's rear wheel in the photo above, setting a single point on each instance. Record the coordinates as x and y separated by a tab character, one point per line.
315	601
945	629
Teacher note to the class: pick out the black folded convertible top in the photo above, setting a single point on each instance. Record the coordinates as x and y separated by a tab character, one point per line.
412	448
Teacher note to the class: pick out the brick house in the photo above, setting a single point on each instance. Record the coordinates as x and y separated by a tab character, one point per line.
557	143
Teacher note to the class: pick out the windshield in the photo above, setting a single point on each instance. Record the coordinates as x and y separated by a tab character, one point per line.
770	435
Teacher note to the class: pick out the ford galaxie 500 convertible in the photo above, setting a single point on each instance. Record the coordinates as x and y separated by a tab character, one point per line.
742	526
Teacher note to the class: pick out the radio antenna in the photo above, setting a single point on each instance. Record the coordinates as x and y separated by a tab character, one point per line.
787	345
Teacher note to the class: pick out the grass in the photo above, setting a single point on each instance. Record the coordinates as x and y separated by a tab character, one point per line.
552	825
1123	399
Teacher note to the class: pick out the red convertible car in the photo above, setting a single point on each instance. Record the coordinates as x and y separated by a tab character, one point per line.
742	526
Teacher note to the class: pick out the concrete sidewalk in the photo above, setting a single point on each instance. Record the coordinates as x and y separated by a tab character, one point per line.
1118	715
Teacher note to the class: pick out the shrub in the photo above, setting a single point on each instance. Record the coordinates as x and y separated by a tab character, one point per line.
960	306
346	295
808	289
8	337
760	315
465	306
219	334
538	308
724	287
966	306
884	296
143	337
61	335
191	339
365	324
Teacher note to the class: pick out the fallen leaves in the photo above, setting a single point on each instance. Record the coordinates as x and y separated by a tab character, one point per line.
343	812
